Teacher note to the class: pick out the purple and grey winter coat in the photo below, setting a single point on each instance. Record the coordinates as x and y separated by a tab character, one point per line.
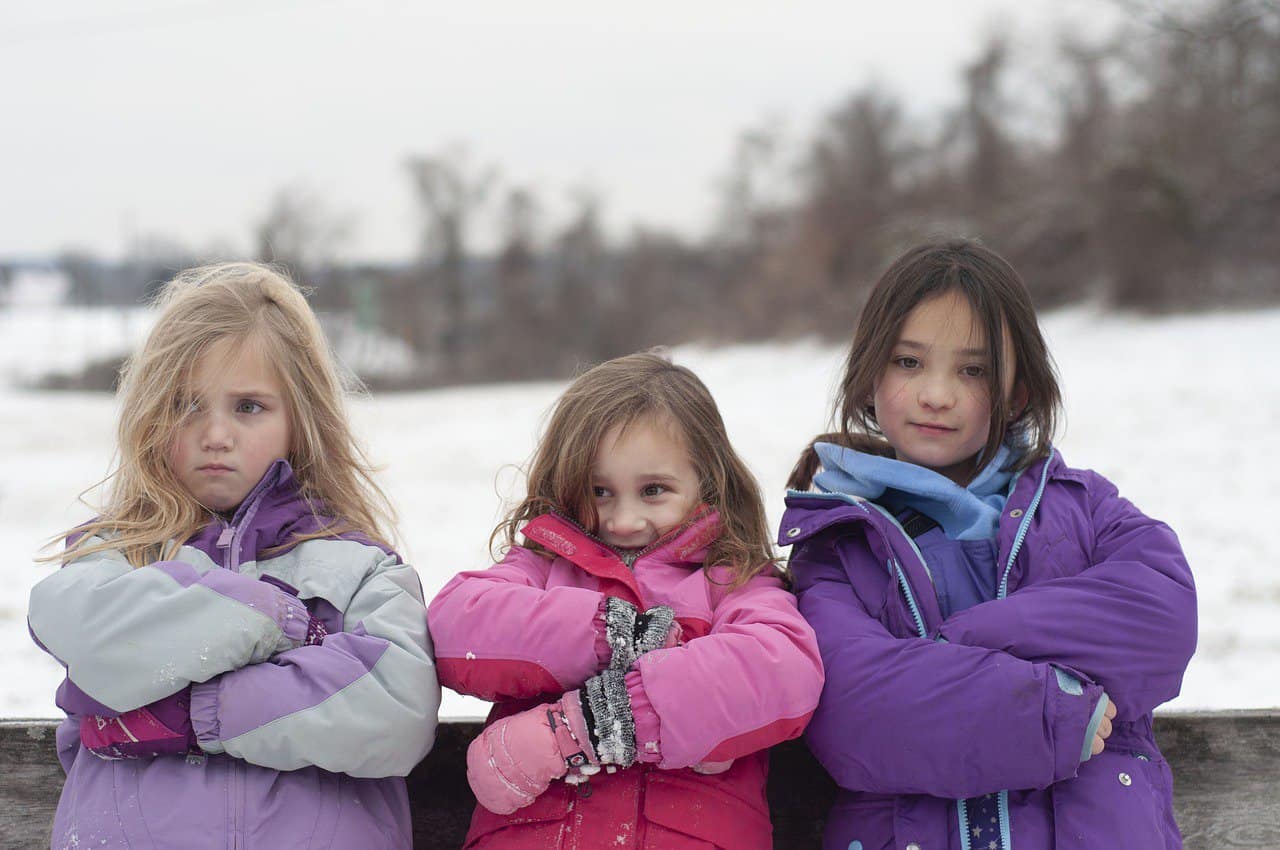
918	712
303	746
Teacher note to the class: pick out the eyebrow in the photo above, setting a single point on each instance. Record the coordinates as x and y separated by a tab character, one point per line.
964	352
252	393
646	476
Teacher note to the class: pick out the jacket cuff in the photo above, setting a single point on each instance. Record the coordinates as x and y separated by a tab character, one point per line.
648	727
204	715
1095	721
292	616
1072	703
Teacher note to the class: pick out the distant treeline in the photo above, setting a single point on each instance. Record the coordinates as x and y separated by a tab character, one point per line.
1141	170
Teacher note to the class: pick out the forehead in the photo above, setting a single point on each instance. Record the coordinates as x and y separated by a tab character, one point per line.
651	439
945	321
231	363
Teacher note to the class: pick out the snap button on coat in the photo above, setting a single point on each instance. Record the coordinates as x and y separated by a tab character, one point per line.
1125	780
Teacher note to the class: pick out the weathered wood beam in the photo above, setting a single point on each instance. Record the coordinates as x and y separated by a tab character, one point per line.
1226	767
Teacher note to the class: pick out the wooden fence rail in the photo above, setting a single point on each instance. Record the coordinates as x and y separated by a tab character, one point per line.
1226	769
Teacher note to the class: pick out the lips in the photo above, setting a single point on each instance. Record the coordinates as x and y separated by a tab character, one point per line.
214	467
932	428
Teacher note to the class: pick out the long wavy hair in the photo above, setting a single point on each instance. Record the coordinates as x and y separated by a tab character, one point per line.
148	513
632	389
1001	305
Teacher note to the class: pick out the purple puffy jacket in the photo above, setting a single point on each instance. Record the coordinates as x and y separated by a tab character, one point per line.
918	713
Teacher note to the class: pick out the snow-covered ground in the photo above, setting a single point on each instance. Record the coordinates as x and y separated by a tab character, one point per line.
1181	413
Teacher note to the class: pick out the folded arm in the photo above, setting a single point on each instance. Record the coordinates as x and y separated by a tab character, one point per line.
362	702
131	636
751	682
501	634
1128	621
916	716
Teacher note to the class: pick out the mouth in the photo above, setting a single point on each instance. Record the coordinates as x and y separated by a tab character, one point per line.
214	468
932	428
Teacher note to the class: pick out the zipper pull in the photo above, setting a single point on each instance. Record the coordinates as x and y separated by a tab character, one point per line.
225	538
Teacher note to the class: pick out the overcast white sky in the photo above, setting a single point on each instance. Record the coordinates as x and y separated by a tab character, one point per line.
120	119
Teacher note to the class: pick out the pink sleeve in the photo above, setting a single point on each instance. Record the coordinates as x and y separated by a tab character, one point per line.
502	634
751	682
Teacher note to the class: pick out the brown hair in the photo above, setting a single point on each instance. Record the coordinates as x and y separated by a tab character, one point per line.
1000	302
149	513
621	392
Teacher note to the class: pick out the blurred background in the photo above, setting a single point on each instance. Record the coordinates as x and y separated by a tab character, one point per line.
488	197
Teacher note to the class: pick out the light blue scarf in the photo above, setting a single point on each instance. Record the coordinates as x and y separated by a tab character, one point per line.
965	513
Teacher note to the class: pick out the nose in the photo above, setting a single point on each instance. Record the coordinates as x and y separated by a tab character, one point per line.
215	433
624	520
937	392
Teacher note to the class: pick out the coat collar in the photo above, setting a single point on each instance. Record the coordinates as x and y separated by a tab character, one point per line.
686	545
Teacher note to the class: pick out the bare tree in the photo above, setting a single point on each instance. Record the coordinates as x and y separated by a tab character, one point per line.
298	231
450	190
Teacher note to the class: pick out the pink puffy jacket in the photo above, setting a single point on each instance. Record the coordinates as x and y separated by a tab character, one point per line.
747	676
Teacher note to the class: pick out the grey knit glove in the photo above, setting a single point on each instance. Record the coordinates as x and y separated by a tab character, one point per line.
606	708
631	632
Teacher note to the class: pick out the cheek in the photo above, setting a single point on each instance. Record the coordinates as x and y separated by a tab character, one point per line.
177	452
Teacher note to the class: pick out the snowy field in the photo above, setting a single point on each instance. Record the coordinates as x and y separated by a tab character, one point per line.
1181	413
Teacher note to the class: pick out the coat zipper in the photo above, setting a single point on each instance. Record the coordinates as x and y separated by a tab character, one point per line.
229	537
895	569
1002	800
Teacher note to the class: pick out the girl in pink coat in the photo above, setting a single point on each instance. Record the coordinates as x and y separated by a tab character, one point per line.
640	646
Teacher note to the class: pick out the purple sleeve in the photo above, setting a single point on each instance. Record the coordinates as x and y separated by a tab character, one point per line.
1128	621
915	716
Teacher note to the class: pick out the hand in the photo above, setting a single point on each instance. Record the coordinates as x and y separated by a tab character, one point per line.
1104	729
316	631
518	757
631	633
162	728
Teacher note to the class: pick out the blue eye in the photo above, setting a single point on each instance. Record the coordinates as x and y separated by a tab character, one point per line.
249	406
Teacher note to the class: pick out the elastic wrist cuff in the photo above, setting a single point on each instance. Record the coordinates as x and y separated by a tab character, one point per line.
1095	720
608	710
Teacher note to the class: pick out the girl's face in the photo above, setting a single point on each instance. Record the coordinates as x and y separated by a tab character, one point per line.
932	401
643	483
237	426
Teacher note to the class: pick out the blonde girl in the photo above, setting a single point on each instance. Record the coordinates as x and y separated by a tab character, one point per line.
642	627
247	660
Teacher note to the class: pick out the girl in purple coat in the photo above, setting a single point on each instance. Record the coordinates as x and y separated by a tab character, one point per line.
996	626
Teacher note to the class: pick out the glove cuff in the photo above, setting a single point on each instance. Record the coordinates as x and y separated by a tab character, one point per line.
620	631
606	709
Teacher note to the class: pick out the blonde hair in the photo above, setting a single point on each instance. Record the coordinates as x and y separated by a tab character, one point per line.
149	513
624	391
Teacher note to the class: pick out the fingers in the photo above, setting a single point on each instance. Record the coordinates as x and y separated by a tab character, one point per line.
1098	745
1110	710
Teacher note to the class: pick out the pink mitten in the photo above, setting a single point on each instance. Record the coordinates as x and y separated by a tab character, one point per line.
517	758
162	728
